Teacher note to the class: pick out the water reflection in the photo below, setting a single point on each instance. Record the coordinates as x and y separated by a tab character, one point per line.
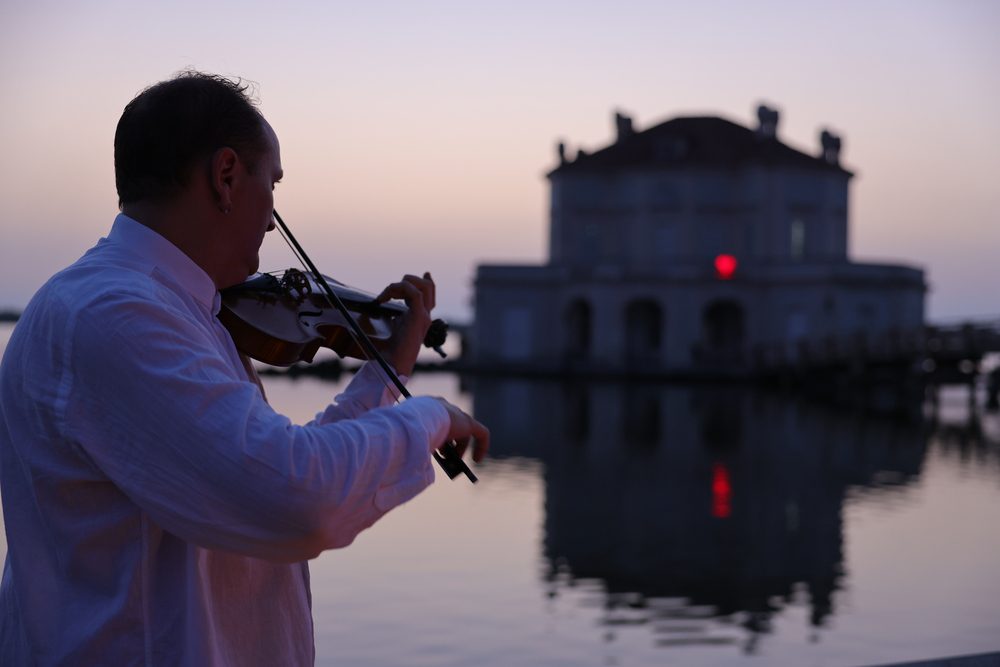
698	512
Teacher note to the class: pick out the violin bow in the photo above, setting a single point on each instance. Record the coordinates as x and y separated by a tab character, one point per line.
447	455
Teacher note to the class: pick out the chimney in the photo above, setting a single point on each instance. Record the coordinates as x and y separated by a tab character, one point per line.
829	147
561	152
767	119
623	126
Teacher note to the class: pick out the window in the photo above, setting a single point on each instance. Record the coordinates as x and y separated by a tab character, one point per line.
797	233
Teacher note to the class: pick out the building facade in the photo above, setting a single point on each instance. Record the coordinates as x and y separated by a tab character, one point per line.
690	246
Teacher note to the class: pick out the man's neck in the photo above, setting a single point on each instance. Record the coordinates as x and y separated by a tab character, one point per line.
180	225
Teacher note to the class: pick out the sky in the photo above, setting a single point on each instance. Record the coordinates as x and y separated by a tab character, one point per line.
415	135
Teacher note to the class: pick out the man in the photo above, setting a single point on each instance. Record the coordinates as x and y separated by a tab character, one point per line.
158	511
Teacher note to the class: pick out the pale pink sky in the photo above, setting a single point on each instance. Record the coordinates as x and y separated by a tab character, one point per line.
415	135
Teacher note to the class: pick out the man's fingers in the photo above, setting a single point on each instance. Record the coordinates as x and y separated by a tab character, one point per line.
481	435
406	291
465	430
426	287
479	447
478	435
432	302
461	445
408	288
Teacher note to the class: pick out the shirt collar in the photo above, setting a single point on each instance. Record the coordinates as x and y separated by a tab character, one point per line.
163	255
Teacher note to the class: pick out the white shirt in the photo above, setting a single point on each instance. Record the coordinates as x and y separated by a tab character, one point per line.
158	511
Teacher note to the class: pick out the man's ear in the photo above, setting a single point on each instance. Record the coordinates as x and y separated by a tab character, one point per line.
224	174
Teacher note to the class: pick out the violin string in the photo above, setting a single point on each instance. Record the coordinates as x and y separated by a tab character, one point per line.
396	396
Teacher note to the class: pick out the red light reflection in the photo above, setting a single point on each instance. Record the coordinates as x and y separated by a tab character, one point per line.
722	492
725	266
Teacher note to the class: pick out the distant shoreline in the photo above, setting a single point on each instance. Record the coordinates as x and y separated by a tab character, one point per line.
9	315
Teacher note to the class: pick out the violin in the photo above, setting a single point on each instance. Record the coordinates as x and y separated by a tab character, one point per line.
281	321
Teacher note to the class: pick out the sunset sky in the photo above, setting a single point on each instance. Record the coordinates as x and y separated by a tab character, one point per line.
415	135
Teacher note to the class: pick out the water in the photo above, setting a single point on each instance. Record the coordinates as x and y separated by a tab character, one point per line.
652	525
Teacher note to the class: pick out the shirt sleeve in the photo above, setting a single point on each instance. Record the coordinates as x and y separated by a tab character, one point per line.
158	409
368	389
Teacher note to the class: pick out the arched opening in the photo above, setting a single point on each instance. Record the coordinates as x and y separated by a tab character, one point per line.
723	332
643	331
578	328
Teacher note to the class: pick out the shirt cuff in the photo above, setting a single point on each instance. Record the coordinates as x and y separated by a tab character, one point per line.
435	422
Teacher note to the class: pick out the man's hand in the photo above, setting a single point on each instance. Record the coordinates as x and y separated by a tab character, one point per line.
410	329
463	430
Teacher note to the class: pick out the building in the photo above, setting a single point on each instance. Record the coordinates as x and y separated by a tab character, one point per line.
690	246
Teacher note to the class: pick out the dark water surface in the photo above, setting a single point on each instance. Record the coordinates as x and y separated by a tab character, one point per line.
664	525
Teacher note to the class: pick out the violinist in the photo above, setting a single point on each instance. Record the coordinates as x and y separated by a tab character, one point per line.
158	511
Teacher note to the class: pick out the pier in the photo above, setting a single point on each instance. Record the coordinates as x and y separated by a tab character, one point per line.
924	359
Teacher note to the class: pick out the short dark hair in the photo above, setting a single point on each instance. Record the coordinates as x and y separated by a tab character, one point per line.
171	126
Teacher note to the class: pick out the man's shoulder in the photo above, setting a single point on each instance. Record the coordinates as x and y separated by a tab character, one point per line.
106	294
99	284
99	276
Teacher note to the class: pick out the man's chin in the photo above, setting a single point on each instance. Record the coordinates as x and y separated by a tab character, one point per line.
237	280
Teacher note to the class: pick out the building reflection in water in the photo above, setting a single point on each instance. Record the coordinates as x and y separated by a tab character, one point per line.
702	511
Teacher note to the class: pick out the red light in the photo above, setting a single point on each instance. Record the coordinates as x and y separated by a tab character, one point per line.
722	492
725	266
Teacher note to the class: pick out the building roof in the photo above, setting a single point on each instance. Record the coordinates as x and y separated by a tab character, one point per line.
697	141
